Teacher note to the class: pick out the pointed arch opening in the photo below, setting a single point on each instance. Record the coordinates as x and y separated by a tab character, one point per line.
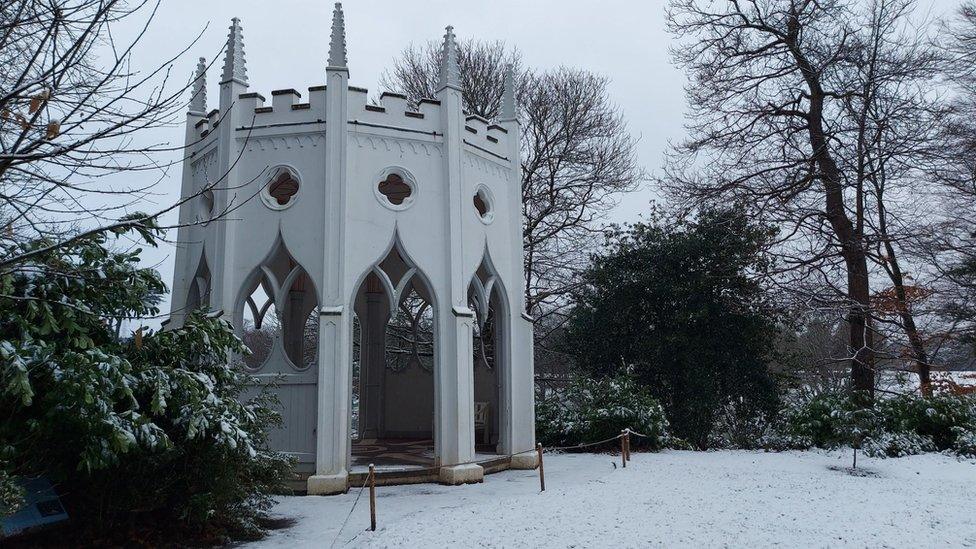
487	299
277	317
394	364
198	296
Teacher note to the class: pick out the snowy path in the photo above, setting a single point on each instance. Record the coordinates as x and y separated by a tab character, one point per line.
671	499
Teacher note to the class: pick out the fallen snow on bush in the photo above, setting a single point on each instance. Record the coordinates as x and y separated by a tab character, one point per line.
668	499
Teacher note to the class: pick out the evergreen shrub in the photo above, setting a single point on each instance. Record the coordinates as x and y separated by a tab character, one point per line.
592	410
892	426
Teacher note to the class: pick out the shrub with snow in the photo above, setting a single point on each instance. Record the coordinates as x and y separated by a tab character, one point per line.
144	440
739	424
965	440
598	409
891	426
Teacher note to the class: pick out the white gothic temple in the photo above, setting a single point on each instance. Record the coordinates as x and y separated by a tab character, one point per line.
370	255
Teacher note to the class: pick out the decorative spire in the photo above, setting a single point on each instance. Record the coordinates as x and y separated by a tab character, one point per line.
508	113
337	45
198	101
234	68
450	73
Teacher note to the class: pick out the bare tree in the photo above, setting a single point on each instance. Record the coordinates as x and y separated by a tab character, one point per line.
72	119
819	113
952	248
577	157
897	143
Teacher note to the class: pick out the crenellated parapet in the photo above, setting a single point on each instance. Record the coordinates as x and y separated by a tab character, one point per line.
291	111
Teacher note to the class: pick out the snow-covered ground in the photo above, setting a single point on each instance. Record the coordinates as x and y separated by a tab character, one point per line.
670	499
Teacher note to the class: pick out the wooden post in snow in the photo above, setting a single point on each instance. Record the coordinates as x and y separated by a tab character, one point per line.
623	448
372	497
542	470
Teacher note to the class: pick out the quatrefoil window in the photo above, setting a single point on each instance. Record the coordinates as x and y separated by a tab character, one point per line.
395	188
282	190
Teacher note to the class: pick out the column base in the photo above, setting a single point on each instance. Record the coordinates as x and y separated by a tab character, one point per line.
462	474
327	485
525	460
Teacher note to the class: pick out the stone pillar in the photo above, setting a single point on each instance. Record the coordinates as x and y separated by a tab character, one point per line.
335	346
334	394
373	361
225	280
519	372
184	270
454	382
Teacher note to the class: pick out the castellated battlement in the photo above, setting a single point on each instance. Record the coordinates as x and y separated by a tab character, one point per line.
291	108
248	114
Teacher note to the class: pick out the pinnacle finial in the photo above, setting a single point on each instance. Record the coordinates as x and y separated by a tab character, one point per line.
198	99
450	73
508	112
337	44
234	68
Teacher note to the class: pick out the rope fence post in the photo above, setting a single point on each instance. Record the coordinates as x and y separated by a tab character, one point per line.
623	449
542	469
372	497
351	509
627	440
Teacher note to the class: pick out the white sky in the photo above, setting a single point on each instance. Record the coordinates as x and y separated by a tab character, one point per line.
286	46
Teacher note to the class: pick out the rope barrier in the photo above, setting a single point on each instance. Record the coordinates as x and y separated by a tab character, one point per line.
366	483
623	437
589	444
478	461
581	445
339	533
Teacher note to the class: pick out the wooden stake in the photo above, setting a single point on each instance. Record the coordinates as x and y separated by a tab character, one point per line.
372	497
627	442
623	441
623	448
542	470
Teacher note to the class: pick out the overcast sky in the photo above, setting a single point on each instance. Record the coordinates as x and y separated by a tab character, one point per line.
286	46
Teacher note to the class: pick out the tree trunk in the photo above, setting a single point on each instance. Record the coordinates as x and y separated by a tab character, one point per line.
862	361
852	248
919	355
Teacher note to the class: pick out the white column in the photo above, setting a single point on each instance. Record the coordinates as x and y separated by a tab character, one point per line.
224	283
454	380
519	371
183	269
335	347
334	390
372	367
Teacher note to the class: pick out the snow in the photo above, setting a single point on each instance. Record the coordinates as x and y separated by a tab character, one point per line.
672	499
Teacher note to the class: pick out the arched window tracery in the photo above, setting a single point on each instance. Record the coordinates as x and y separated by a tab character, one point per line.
198	296
410	335
281	309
